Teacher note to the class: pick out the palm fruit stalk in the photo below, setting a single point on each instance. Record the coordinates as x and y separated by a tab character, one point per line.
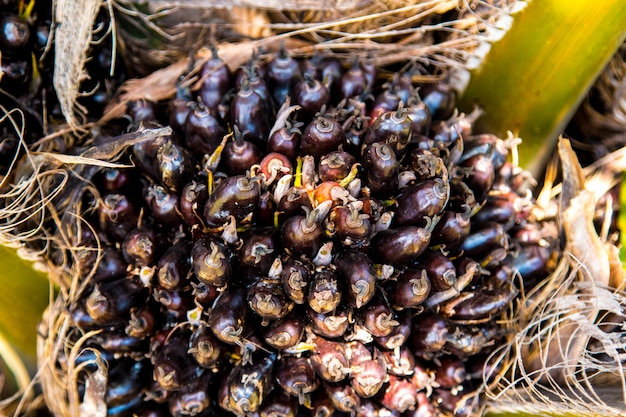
354	251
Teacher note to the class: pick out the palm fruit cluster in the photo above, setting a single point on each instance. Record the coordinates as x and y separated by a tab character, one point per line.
30	108
26	71
315	238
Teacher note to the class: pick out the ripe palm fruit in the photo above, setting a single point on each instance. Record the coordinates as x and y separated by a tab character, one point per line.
353	266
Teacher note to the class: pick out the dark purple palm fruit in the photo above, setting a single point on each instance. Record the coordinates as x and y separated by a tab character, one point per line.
501	208
450	372
480	174
304	235
204	294
248	112
286	140
204	347
377	317
453	401
16	73
462	199
216	81
335	166
267	298
285	333
400	362
371	408
425	199
428	334
392	128
387	100
163	205
264	214
367	369
330	325
329	360
350	225
249	384
478	305
175	304
259	249
355	127
469	340
211	261
282	73
255	66
400	246
116	343
15	32
111	265
533	261
322	136
110	302
295	375
360	277
489	144
179	109
400	395
426	164
295	276
142	247
279	404
321	405
173	269
440	269
115	180
234	196
295	201
203	130
451	230
420	115
399	334
440	99
142	111
192	200
354	81
144	320
410	289
252	72
311	95
174	165
173	366
124	387
117	215
194	399
229	315
371	74
144	155
328	70
325	292
343	397
239	154
484	238
381	169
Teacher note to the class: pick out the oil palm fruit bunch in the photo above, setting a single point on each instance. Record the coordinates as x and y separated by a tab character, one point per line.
314	238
